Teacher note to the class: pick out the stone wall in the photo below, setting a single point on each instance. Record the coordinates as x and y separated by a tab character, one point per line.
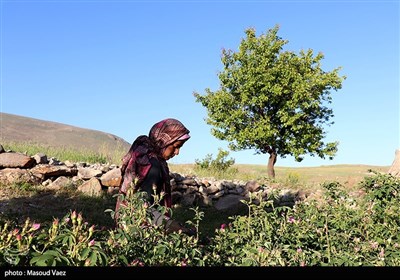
95	179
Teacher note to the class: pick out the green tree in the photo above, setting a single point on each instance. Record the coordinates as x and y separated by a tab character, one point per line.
271	100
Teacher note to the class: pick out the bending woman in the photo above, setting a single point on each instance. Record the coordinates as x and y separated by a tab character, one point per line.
146	162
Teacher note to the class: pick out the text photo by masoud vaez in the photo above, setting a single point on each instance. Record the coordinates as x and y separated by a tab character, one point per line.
33	272
181	272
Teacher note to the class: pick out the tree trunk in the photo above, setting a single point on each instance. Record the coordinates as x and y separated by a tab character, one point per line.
395	168
271	163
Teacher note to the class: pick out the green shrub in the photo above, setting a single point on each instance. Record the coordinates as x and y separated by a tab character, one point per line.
219	164
69	242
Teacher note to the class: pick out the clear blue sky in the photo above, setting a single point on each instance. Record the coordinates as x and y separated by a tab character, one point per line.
121	66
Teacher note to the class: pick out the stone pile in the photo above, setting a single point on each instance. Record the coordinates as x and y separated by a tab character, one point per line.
97	179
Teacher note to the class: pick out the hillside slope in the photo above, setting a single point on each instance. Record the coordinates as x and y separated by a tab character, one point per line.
20	129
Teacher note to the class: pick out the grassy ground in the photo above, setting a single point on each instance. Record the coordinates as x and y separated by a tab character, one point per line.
18	202
307	179
292	177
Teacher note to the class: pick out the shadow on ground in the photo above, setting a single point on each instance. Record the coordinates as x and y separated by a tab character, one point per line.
43	206
46	205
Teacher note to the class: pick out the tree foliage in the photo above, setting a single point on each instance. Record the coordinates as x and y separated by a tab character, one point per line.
271	98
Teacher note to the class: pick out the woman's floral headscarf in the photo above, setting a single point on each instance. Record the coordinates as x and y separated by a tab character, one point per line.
136	163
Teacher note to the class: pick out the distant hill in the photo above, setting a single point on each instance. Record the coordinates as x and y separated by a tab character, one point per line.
20	129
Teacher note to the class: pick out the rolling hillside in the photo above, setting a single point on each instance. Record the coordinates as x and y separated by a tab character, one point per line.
20	129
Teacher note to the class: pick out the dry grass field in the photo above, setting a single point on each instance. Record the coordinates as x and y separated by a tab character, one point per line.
295	177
